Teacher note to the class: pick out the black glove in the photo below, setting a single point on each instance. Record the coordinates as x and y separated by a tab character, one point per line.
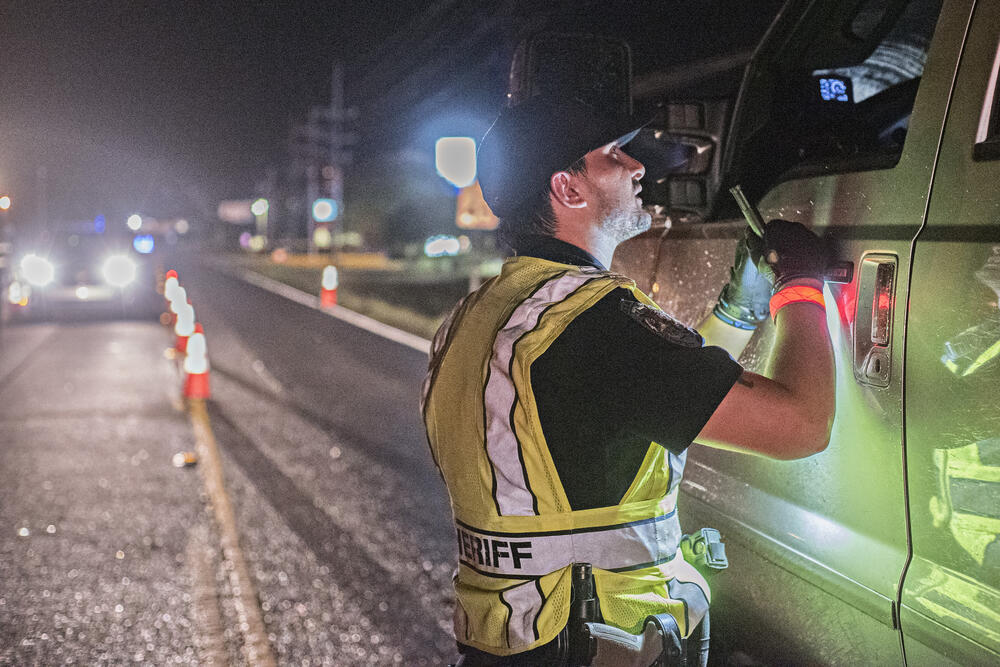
790	252
743	302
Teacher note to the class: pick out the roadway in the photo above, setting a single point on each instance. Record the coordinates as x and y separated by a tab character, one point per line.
110	554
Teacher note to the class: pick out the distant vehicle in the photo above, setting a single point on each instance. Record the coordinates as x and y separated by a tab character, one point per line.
65	275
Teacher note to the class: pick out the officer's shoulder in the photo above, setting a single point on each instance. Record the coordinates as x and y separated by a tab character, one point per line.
621	305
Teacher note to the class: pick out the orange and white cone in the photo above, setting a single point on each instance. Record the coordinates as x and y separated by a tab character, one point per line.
328	291
170	287
178	299
196	366
184	327
170	283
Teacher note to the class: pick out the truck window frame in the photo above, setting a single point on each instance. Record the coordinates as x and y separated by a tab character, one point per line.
846	145
987	146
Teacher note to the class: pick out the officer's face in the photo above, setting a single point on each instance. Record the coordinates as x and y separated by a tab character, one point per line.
613	179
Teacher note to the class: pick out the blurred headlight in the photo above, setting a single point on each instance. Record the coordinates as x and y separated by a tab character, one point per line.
18	293
37	270
118	270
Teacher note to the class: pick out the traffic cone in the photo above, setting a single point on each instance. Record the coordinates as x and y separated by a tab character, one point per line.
328	293
184	327
170	283
170	287
196	366
177	301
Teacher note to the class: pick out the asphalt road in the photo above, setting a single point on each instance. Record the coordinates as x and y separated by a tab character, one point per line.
107	550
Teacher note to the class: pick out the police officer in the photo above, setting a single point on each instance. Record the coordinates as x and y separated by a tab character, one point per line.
560	400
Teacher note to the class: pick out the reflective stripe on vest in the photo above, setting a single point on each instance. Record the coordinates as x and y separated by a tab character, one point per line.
511	492
523	604
618	548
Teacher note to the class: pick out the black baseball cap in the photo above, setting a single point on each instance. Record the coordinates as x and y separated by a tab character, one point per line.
529	142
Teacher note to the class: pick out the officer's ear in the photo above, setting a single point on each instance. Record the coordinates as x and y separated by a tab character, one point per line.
566	190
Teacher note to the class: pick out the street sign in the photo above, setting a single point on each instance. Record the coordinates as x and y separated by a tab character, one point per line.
236	211
471	211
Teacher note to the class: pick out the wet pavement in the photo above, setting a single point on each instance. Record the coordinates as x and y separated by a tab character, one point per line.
95	519
110	555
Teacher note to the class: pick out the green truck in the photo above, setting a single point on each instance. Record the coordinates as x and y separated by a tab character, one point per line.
877	124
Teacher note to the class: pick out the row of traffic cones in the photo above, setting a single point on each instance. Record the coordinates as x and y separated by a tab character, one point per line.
189	335
189	338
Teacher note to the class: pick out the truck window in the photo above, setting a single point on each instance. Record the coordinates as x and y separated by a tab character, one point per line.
988	136
850	117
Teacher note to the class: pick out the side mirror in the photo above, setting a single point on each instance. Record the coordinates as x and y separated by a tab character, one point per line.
681	149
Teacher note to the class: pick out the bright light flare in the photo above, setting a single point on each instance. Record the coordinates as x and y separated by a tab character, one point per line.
82	292
455	160
18	293
325	210
442	245
37	270
259	207
144	243
118	270
322	238
4	203
134	222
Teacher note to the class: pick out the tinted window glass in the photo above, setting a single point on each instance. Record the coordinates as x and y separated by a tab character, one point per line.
846	118
872	114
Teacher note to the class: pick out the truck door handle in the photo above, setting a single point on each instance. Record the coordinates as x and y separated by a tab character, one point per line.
873	319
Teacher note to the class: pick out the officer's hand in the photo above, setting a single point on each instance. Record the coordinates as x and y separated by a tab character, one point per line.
791	252
744	299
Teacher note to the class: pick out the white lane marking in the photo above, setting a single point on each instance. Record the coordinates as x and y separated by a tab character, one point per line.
339	312
265	375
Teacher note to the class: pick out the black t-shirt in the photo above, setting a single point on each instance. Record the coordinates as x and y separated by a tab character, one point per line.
609	385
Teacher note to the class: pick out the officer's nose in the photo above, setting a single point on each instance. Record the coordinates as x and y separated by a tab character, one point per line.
636	168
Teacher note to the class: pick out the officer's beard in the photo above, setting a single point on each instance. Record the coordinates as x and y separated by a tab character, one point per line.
622	221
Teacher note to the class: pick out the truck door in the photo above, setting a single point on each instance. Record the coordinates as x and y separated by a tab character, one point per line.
951	592
846	147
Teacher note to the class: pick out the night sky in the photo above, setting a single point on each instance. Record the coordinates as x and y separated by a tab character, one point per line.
127	104
167	107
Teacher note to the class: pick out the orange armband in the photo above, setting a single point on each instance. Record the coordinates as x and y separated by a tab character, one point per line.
795	294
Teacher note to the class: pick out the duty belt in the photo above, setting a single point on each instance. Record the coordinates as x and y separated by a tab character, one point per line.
618	548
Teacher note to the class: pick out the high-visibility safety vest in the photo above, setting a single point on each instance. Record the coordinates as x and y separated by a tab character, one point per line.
517	535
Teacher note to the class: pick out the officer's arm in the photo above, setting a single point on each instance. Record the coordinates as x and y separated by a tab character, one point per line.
729	338
788	413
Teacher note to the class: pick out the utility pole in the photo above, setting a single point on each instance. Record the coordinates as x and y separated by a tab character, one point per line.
321	149
338	116
42	177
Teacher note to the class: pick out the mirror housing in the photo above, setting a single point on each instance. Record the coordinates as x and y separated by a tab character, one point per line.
681	149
